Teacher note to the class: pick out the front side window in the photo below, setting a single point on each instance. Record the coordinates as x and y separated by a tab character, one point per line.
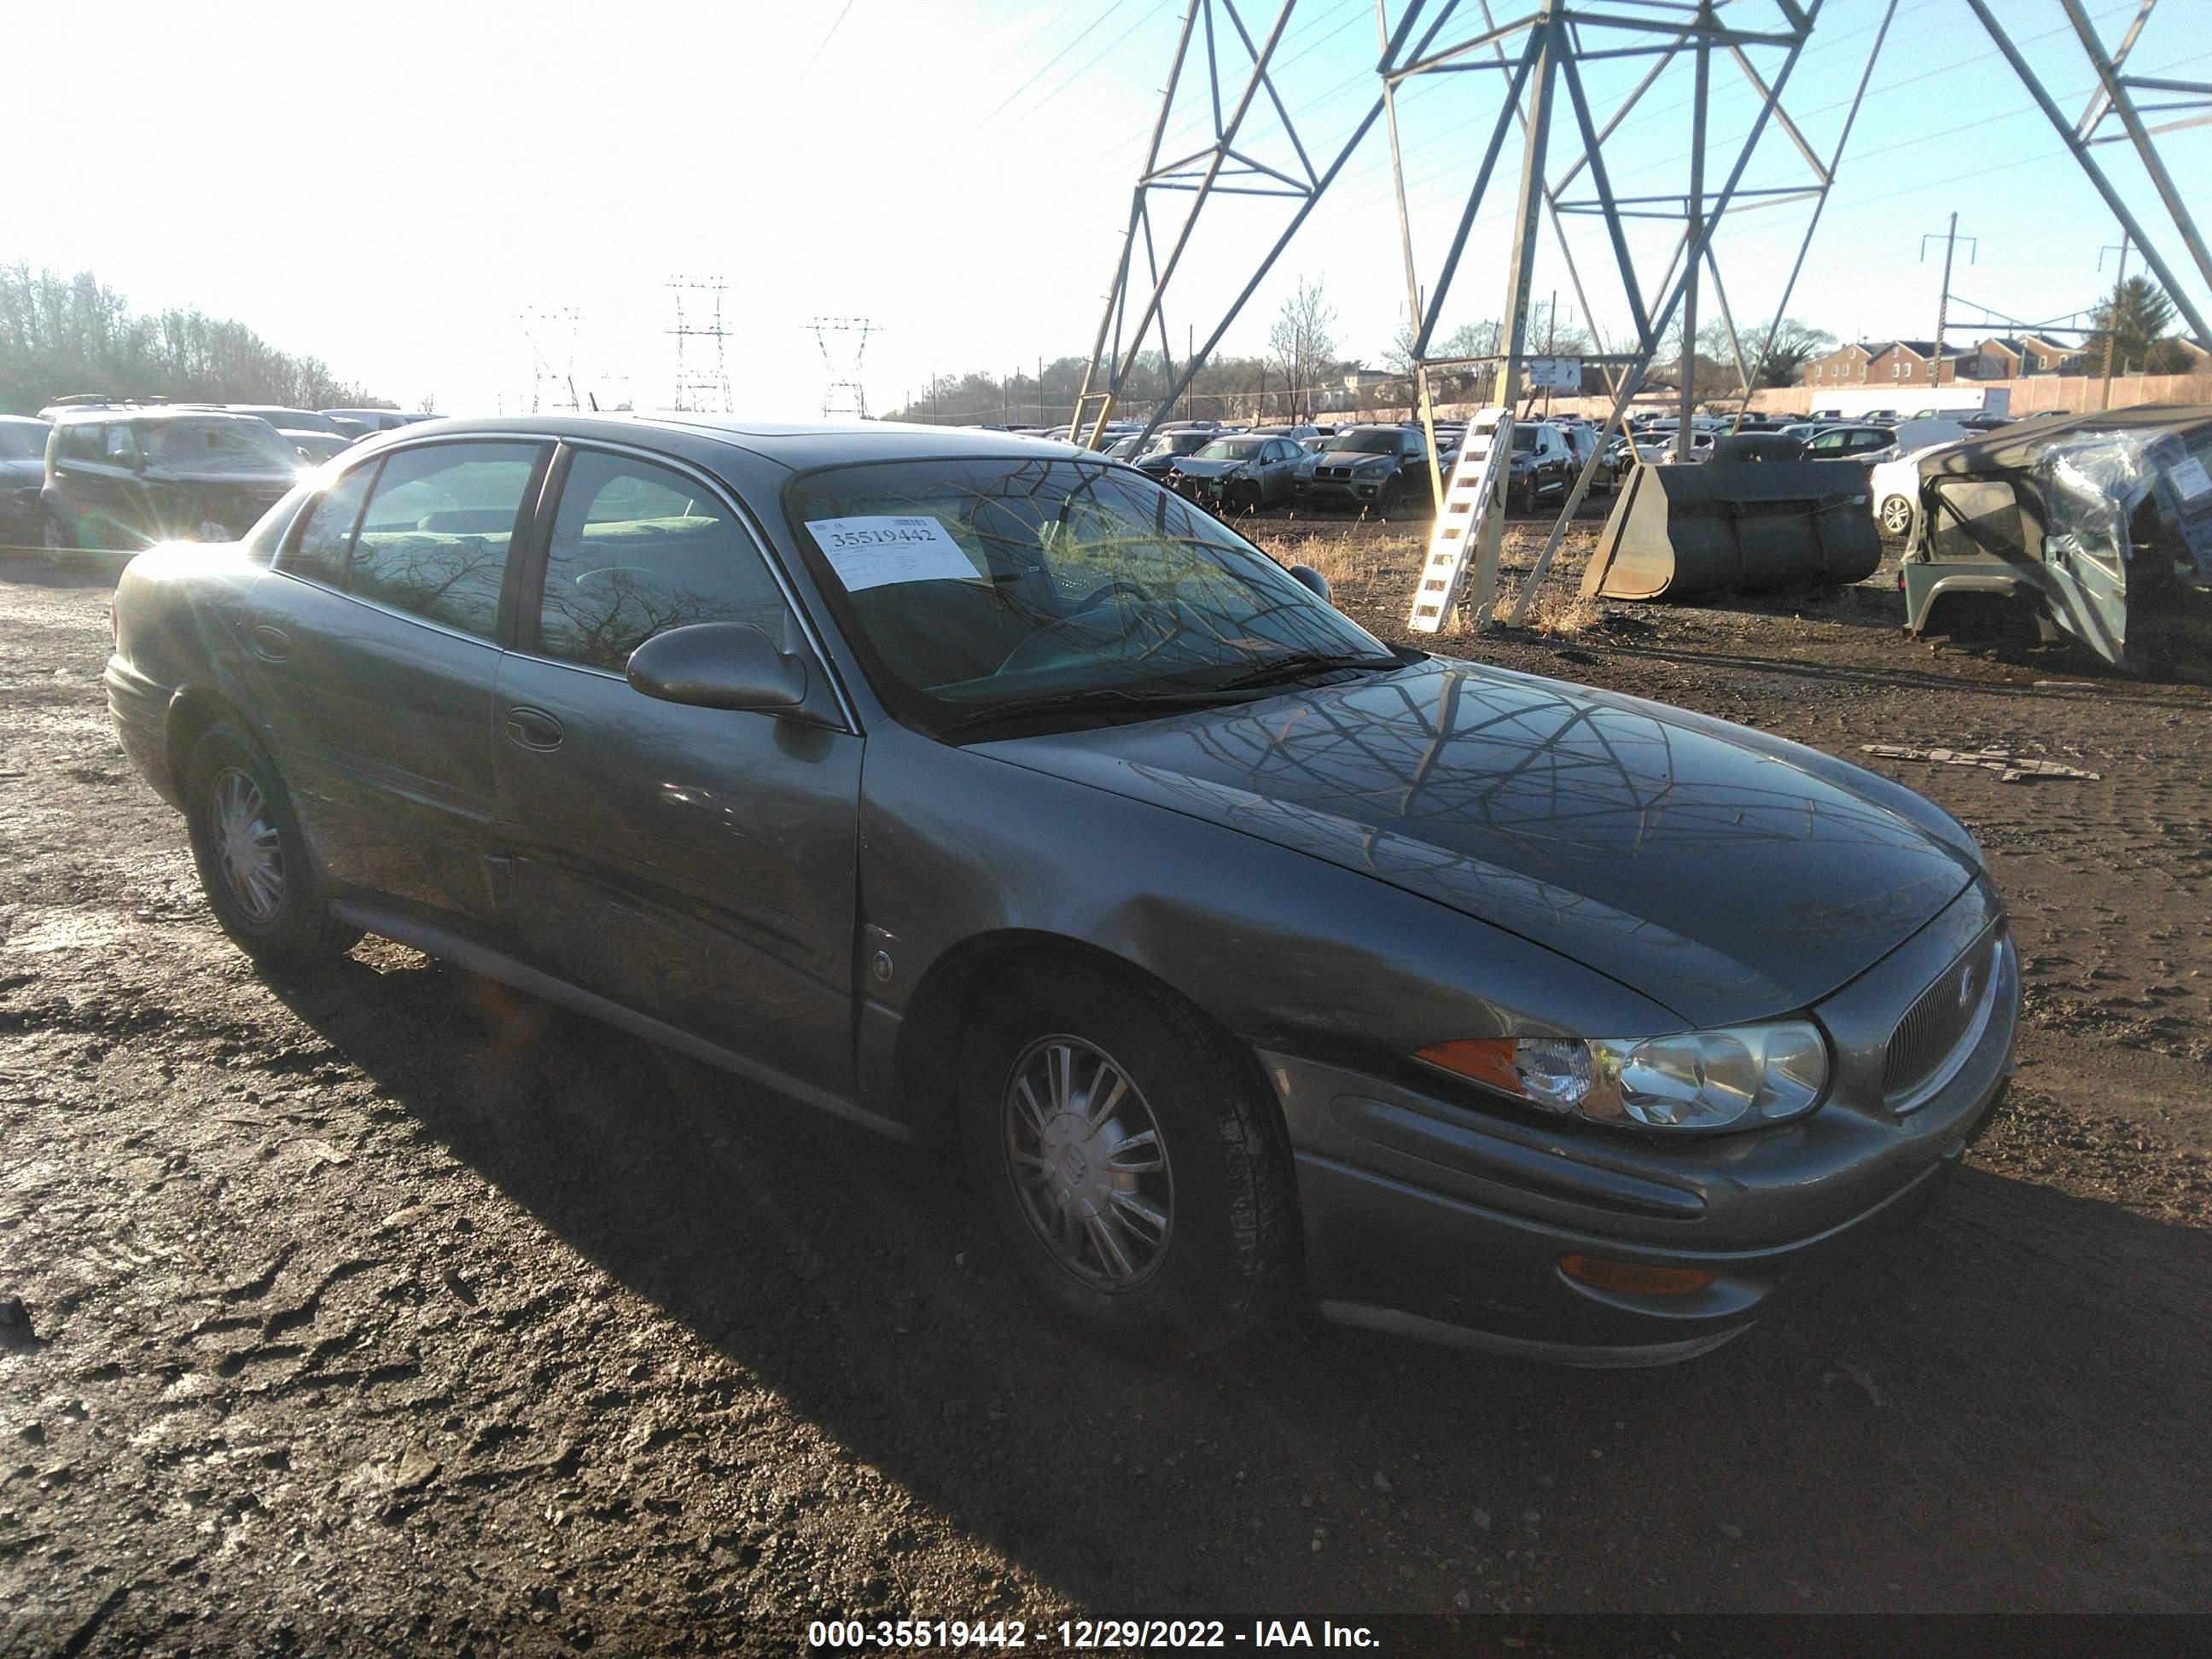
320	552
638	549
434	537
971	588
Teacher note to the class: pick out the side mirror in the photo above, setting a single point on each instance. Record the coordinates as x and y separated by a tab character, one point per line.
717	665
1312	580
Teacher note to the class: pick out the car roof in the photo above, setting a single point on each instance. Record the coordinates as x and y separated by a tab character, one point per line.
160	412
794	443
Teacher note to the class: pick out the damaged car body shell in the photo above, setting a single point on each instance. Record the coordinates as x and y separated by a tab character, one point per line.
2100	523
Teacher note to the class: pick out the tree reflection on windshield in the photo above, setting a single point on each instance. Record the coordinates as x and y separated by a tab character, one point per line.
1080	576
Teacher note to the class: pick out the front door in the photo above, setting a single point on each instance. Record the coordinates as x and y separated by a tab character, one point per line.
378	632
695	865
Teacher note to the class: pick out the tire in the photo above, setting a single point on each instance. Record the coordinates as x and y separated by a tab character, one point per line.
55	533
1896	515
253	862
1202	1216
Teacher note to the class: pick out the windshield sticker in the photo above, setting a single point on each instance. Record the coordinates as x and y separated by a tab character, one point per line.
877	552
2190	479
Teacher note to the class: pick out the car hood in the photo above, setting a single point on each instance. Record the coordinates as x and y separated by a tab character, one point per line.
16	474
1191	467
1723	873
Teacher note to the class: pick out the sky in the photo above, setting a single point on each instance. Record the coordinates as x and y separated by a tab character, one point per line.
440	200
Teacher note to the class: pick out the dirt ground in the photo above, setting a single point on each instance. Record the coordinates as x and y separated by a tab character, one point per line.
394	1310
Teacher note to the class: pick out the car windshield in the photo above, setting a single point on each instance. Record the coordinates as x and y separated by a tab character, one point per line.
972	586
1364	443
1524	439
241	445
21	442
1230	449
1180	443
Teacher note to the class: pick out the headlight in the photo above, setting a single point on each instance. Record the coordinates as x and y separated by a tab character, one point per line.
1740	1076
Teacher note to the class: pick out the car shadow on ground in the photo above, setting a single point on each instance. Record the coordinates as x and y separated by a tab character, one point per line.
1996	1409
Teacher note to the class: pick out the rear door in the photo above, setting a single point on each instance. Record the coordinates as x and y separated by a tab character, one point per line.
695	865
377	635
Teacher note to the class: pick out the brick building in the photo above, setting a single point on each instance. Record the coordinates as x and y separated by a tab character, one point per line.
1890	362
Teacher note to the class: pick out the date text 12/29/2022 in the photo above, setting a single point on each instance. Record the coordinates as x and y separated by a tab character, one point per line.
1076	1635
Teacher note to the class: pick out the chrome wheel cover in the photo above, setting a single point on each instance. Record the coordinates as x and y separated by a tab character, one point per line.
1088	1162
249	854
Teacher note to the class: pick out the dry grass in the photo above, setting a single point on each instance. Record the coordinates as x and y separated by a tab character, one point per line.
1562	612
1343	556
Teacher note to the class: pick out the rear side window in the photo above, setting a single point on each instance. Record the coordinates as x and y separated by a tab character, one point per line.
326	537
434	537
638	549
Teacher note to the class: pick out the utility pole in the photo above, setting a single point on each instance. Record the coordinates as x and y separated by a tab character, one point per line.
1189	351
1943	304
1041	419
2112	315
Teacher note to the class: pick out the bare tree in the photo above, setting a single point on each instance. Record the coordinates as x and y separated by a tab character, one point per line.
1301	347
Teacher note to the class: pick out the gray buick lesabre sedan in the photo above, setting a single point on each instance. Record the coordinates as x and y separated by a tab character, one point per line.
957	782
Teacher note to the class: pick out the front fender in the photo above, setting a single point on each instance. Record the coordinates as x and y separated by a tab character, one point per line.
1292	954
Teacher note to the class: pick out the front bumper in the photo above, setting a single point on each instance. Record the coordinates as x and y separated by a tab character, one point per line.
1431	1216
1360	490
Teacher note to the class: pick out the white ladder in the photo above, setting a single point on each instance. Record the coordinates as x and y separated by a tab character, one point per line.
1470	521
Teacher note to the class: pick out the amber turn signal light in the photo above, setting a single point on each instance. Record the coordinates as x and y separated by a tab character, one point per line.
1486	1060
1634	1278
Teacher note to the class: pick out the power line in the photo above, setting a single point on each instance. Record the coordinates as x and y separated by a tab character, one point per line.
1050	63
825	40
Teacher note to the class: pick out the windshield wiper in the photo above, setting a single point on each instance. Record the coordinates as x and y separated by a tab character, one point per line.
1299	665
1104	697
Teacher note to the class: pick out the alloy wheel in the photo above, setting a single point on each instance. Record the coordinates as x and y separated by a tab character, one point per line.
1088	1162
249	853
1897	515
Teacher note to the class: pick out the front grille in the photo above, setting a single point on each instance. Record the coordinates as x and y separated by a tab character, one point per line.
1941	1027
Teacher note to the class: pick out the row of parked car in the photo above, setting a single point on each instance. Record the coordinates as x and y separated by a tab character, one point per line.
91	472
1375	465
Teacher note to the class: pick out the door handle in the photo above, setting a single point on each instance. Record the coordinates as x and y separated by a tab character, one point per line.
533	728
269	644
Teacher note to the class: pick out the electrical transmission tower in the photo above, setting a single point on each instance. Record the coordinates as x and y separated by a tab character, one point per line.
701	387
2182	103
551	386
844	342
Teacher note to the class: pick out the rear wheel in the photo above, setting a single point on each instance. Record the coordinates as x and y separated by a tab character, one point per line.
55	532
1897	515
1132	1164
252	860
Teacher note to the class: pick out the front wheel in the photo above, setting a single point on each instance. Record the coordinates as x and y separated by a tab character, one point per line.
1131	1162
252	860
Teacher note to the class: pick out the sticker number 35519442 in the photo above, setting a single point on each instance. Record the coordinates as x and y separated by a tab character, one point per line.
878	551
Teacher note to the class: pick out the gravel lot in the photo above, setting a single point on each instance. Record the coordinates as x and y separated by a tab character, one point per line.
393	1311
